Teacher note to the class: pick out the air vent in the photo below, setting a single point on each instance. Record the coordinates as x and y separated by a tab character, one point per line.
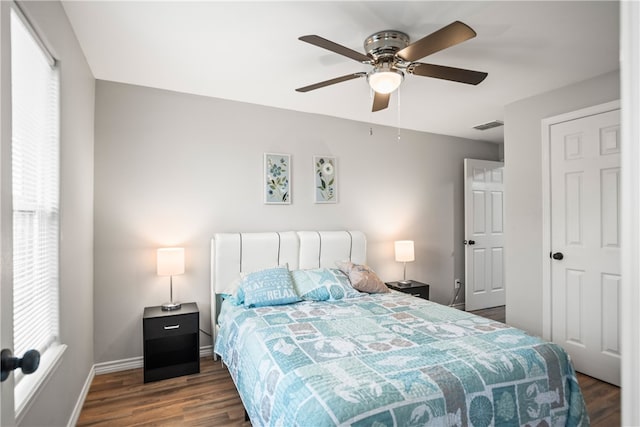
489	125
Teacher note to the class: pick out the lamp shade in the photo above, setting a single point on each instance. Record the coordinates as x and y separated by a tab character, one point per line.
170	261
404	251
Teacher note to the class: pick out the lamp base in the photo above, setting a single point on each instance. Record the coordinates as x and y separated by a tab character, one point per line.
404	283
169	306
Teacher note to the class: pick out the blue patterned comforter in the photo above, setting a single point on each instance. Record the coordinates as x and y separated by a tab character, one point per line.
393	360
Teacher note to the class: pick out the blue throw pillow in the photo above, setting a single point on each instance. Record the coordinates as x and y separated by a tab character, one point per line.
323	284
272	286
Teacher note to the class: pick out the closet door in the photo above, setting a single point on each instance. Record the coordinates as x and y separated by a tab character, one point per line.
585	242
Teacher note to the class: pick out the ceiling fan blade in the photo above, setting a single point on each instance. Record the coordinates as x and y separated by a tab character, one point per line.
330	82
335	47
380	101
447	73
445	37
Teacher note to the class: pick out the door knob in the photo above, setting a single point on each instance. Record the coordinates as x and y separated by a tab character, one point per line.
469	242
557	255
29	362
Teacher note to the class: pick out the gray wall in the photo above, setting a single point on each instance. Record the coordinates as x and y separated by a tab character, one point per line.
55	403
523	190
173	169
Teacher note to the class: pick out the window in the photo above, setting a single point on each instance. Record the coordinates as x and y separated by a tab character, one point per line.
35	192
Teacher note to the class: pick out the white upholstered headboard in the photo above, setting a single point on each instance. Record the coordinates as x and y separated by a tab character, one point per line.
233	253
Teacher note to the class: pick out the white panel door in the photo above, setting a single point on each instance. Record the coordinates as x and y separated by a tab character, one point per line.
585	242
484	233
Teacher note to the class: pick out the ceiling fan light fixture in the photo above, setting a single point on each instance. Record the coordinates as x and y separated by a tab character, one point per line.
391	55
385	80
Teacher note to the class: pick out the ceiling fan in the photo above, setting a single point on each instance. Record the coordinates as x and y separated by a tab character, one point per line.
391	56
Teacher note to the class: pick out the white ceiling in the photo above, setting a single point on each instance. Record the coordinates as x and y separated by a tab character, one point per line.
250	52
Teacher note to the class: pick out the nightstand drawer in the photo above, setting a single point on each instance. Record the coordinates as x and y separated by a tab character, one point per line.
169	326
419	292
415	288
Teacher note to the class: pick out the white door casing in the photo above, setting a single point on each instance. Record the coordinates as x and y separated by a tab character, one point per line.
484	234
630	298
582	298
7	417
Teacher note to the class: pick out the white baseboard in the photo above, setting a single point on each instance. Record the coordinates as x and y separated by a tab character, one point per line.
75	415
136	362
118	365
206	351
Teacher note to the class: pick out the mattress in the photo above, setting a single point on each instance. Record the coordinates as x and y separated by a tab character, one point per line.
393	360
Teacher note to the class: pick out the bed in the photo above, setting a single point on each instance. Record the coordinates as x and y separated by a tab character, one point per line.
383	359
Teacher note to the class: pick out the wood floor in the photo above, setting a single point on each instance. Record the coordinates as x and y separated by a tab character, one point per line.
210	398
205	399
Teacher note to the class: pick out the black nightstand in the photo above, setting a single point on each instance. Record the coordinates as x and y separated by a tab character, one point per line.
171	342
415	288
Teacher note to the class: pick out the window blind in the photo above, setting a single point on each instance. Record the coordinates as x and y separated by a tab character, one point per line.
35	192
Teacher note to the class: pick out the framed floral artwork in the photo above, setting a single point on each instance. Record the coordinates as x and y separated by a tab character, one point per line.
326	179
277	179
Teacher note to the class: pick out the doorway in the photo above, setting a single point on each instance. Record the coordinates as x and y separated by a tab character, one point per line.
484	234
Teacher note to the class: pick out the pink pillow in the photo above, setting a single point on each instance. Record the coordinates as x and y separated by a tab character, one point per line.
362	277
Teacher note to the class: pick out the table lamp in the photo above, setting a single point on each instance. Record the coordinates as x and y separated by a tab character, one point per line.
405	254
170	263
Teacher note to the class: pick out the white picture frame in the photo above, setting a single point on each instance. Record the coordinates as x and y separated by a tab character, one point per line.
325	182
277	179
